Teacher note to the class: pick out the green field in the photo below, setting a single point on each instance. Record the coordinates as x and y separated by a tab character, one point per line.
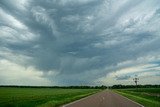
149	97
41	97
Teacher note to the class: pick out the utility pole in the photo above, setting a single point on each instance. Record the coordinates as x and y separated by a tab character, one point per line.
136	80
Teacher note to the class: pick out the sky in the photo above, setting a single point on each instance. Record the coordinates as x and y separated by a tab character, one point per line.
79	42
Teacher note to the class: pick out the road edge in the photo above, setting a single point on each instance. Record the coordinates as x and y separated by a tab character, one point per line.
129	99
80	99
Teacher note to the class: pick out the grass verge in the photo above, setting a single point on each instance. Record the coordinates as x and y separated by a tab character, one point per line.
142	97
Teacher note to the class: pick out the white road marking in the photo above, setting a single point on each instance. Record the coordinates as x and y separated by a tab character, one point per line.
103	98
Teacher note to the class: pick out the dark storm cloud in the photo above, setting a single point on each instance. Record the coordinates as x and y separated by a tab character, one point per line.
80	41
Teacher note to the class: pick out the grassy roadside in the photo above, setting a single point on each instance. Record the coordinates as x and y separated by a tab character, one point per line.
143	96
41	97
59	102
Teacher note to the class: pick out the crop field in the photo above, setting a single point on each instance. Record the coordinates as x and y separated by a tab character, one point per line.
149	97
41	97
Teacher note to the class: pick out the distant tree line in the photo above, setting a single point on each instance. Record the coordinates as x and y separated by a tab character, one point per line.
133	86
119	86
59	87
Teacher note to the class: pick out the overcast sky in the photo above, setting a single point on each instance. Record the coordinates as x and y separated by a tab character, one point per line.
79	42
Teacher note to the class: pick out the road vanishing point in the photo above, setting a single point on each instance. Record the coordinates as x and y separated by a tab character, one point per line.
105	98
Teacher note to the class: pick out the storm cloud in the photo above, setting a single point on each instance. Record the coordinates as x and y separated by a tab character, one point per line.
75	42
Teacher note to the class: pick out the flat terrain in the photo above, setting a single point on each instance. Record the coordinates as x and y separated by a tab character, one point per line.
31	97
149	97
104	99
51	97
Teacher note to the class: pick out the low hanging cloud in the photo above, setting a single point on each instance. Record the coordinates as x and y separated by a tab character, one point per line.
13	74
74	42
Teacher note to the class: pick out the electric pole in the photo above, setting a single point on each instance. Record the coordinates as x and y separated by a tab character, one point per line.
136	80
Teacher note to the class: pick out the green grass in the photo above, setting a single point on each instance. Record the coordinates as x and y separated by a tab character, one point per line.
149	97
147	90
43	97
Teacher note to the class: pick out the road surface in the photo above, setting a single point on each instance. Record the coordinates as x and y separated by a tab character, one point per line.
104	99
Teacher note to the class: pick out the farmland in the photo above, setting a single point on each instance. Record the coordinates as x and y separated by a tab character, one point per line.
149	97
31	97
54	97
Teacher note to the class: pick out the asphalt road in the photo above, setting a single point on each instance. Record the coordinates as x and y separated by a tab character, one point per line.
104	99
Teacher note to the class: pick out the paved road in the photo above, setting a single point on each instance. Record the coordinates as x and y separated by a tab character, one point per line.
104	99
